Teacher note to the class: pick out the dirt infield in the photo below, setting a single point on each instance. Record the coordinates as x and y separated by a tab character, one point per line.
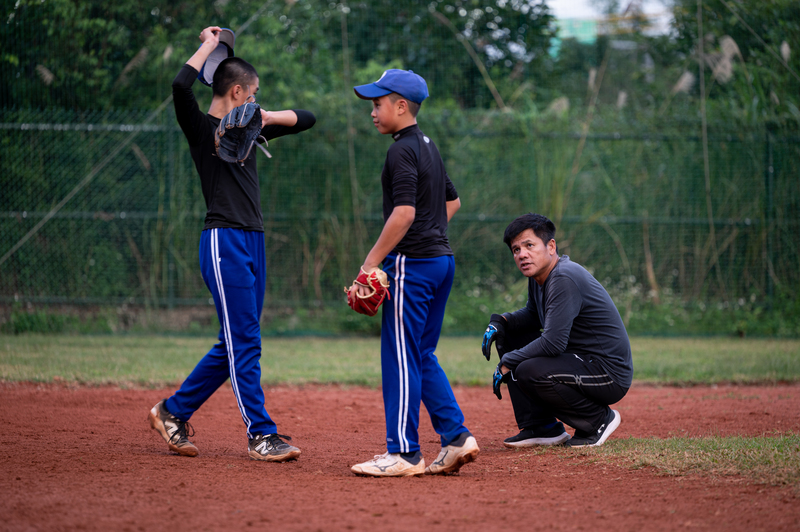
86	459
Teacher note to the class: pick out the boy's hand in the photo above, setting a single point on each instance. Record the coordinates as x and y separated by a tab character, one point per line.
357	289
368	292
211	34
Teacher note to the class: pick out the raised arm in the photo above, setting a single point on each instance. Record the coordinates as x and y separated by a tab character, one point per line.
210	39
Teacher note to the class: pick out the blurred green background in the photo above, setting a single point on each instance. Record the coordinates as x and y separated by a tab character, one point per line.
669	164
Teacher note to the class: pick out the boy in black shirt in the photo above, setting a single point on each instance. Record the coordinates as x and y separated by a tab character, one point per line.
418	201
232	256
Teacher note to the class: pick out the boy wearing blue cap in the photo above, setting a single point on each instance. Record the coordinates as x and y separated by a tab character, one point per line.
418	202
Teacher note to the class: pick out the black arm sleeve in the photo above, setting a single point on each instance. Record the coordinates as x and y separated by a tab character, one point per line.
190	118
305	120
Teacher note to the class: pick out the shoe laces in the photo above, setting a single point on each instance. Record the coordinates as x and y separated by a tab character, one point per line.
274	440
184	432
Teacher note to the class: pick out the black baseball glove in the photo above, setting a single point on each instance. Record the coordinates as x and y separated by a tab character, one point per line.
495	333
238	131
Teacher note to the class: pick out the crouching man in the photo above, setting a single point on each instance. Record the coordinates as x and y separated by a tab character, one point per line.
565	356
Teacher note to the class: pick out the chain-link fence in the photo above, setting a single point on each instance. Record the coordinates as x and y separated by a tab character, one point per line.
103	206
638	206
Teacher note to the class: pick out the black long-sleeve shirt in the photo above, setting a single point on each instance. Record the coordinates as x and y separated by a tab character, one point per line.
575	315
231	190
414	175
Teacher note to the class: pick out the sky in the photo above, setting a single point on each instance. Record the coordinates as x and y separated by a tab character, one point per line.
584	9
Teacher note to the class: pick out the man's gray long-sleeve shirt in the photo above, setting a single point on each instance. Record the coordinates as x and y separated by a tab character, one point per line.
575	315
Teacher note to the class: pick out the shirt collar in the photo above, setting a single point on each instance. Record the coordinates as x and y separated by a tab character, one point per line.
405	131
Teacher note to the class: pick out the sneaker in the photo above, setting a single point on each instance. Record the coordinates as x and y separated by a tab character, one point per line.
462	451
598	437
391	465
271	448
555	435
174	431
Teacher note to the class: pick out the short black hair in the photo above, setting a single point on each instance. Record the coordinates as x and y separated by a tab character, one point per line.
541	225
413	107
232	71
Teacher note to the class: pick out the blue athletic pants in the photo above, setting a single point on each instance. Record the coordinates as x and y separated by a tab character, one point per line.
410	327
233	265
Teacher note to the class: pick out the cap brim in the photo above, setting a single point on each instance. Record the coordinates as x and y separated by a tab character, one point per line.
226	36
220	53
370	91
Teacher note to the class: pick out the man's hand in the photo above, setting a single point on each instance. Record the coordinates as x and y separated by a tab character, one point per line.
501	375
495	333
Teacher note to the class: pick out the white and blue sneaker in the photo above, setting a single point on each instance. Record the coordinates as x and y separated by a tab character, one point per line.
463	450
391	465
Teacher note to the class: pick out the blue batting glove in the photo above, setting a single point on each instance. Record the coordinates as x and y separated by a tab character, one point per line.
495	333
497	379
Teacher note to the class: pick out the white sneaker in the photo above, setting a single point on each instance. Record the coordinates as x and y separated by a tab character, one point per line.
462	451
389	465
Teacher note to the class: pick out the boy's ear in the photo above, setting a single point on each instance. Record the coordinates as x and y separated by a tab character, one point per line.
402	106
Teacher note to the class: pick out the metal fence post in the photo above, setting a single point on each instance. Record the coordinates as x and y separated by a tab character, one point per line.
769	215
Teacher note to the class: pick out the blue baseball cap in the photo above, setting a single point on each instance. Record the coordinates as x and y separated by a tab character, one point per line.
223	51
403	82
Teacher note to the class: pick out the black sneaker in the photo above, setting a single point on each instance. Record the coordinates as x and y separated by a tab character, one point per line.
174	431
271	448
555	435
598	437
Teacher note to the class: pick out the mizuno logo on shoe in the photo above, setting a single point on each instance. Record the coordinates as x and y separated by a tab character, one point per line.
600	430
440	461
385	467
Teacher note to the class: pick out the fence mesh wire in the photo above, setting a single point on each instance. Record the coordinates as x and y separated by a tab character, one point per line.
633	205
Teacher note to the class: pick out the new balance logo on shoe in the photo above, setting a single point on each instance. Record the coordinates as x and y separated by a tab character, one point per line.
271	448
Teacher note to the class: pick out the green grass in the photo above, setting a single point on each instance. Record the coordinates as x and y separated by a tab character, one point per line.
766	460
157	360
715	360
771	460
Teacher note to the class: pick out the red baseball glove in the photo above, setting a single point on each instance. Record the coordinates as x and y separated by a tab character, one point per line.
378	284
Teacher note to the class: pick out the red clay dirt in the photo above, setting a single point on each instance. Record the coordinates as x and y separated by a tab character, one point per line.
84	458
